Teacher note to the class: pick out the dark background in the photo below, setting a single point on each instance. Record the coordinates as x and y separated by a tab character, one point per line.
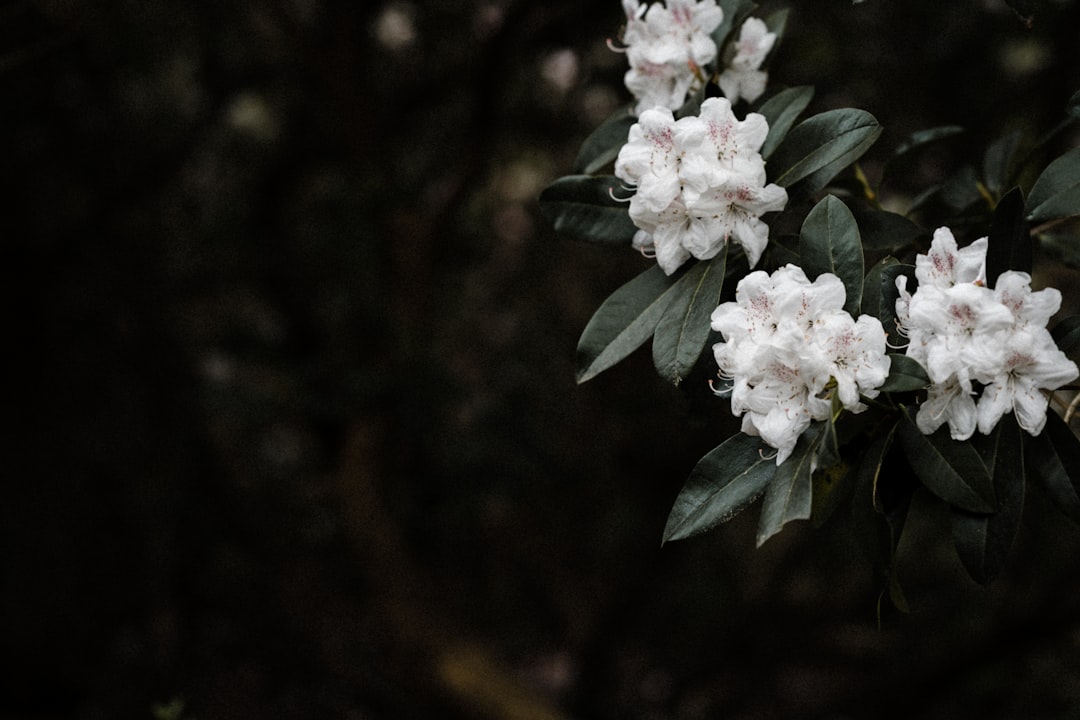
296	431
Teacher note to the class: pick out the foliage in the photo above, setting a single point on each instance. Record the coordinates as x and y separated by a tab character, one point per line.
873	463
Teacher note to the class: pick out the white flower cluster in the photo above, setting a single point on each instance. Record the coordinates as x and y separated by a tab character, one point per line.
667	45
700	181
963	333
790	346
742	77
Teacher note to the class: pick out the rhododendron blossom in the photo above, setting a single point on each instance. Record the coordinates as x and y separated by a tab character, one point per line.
742	76
699	181
666	46
968	336
789	347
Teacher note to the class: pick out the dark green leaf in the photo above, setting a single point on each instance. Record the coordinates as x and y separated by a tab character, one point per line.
1072	108
1053	456
1067	336
624	321
781	111
1009	245
922	138
582	207
789	495
1000	162
950	469
880	295
829	243
905	375
831	485
603	144
819	147
983	540
883	230
684	327
723	482
1056	194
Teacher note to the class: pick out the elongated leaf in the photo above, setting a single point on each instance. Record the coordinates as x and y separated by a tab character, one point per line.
684	327
883	230
983	540
1056	193
603	144
1053	458
781	111
624	322
723	482
582	207
1067	336
878	524
819	147
1009	244
1072	108
950	469
921	138
880	295
829	243
905	375
789	495
1000	161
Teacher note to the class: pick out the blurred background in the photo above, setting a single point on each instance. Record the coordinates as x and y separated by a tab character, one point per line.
296	433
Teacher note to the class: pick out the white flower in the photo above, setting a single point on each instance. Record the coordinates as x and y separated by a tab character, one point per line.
967	335
789	346
742	77
666	46
699	182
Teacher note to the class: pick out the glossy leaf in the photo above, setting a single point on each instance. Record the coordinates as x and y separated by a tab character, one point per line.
821	146
880	295
624	321
781	111
950	469
725	481
582	207
1053	458
905	375
603	144
1056	193
1000	161
883	230
829	243
1009	245
789	495
983	541
684	327
921	138
1067	336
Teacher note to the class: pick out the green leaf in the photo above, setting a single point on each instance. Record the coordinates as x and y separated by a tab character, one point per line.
1056	193
884	230
582	207
829	243
1067	336
1072	108
983	540
723	482
921	138
603	144
684	327
789	495
1000	162
821	146
950	469
781	111
880	295
1009	244
1053	457
624	321
905	375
